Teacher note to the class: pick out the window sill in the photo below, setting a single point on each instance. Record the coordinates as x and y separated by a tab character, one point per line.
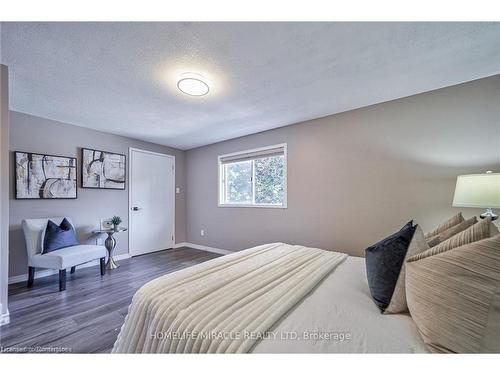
251	206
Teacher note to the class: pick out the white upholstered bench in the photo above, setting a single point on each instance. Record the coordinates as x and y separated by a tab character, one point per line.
68	257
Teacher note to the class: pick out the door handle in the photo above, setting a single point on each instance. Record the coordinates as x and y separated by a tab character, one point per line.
135	208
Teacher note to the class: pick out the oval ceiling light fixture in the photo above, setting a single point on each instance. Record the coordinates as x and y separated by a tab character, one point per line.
193	84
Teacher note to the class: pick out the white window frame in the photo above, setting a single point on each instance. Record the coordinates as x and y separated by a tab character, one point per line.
220	173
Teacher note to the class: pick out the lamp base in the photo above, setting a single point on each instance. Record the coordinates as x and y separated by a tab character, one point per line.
489	213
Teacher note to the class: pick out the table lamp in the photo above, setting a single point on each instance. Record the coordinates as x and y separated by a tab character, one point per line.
478	190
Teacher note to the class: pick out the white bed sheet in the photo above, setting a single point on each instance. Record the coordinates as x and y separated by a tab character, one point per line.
342	304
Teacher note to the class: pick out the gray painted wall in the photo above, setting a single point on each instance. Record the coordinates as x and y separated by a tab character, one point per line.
4	186
355	177
35	134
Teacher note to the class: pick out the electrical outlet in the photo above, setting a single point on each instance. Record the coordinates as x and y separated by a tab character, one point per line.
98	241
202	232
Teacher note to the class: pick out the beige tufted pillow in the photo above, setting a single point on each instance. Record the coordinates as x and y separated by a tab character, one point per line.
448	233
454	297
451	222
398	300
477	232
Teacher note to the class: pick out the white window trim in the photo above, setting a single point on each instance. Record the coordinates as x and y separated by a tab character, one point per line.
220	190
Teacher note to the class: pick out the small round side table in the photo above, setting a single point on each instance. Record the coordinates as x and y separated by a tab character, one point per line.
110	244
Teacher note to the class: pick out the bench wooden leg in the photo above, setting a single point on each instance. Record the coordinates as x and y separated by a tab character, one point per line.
31	276
73	269
103	266
62	280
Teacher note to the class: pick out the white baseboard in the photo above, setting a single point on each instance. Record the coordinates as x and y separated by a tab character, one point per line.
202	247
49	272
5	317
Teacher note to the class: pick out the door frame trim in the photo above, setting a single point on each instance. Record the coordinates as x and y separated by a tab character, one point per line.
130	164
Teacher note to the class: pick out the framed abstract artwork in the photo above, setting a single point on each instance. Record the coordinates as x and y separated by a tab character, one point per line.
42	176
103	170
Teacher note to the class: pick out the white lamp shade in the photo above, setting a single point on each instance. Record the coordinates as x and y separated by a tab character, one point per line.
478	190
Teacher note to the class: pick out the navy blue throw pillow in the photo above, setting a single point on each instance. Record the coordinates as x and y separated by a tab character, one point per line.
383	264
58	236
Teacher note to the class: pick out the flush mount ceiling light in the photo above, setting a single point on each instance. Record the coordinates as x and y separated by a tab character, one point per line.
193	84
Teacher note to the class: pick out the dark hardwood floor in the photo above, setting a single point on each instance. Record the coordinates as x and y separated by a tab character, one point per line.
87	316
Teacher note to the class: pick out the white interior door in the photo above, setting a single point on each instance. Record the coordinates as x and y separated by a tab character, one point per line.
152	203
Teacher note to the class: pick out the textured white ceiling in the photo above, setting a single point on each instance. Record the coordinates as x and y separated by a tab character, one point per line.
121	77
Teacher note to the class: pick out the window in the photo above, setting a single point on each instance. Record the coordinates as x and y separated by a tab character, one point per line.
253	178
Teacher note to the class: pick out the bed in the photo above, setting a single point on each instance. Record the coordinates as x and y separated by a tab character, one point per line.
342	304
319	304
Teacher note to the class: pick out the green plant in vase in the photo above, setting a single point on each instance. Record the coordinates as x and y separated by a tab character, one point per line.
116	220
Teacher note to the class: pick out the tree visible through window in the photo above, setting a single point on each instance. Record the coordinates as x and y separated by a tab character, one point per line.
254	178
269	180
239	182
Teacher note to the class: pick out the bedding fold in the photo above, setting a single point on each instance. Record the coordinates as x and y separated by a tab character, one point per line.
225	305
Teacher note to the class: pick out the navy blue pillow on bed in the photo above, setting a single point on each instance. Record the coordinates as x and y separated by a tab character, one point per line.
383	264
58	236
